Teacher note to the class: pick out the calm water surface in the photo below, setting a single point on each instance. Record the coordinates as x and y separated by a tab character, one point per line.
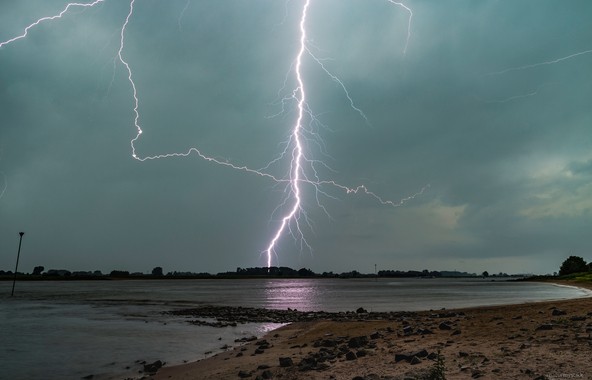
68	330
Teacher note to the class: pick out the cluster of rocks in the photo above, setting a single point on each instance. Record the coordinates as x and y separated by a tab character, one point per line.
230	316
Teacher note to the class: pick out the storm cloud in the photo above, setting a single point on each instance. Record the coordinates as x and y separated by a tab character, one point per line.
489	109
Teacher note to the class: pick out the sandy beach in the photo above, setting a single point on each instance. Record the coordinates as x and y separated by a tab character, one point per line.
543	340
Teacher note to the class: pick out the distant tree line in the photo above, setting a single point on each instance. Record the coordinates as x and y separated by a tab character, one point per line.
275	272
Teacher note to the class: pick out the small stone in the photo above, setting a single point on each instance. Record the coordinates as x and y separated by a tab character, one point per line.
545	326
358	341
286	362
415	360
444	326
153	367
244	374
350	356
421	354
557	312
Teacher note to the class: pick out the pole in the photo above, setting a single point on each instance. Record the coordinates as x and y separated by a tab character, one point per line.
18	255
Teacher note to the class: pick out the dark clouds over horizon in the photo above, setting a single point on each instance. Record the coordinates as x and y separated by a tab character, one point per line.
507	155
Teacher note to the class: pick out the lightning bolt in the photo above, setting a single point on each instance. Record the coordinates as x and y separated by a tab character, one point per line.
408	22
545	63
299	163
50	18
5	181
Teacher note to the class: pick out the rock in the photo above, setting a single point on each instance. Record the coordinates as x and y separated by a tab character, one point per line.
407	330
246	339
359	341
444	326
545	326
88	377
463	354
361	353
420	354
153	367
401	357
328	343
432	356
286	362
263	366
244	374
455	332
577	318
557	312
350	356
361	310
375	335
307	364
358	378
267	375
415	360
425	331
238	355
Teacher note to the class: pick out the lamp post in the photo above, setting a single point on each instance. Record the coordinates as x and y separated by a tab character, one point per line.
18	255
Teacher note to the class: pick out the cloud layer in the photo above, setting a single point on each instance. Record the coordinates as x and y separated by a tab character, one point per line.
481	107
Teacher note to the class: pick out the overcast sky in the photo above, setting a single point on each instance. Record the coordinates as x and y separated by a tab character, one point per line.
480	110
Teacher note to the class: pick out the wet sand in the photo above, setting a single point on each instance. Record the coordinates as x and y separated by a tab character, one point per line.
543	340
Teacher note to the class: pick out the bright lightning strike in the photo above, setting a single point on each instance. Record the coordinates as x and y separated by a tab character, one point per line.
301	169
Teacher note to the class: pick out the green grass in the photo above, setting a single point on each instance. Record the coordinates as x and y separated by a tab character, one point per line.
580	277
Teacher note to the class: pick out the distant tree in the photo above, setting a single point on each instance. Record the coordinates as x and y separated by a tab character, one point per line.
157	271
303	272
119	273
37	270
485	274
573	264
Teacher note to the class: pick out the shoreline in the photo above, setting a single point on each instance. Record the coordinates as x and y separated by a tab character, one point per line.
535	340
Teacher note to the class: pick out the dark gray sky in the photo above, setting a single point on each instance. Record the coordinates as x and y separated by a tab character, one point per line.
481	107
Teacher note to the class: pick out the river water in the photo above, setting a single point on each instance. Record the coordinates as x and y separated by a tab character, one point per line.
71	329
